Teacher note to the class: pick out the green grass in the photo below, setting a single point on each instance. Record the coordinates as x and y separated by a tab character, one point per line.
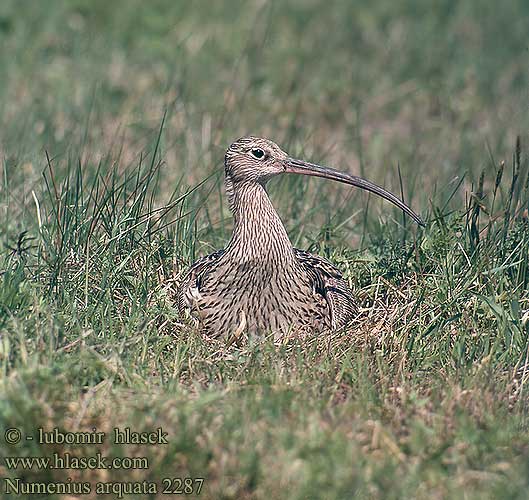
114	120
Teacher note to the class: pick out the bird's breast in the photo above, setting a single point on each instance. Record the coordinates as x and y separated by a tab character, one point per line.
271	296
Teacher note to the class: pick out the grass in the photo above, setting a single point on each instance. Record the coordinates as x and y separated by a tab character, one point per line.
114	119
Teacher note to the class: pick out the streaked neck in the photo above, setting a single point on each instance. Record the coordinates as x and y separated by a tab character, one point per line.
258	233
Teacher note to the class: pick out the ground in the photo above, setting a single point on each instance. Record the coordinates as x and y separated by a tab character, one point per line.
114	118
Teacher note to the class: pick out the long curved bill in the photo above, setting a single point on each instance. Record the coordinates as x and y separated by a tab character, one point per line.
294	166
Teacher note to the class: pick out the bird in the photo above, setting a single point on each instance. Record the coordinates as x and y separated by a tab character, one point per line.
259	283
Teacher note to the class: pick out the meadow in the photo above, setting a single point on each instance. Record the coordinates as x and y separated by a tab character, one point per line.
114	119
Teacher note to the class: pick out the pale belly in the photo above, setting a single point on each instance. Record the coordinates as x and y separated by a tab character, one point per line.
258	301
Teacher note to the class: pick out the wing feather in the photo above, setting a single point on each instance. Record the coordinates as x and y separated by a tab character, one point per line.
192	281
328	281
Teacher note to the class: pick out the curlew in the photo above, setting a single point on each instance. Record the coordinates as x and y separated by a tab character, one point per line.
259	282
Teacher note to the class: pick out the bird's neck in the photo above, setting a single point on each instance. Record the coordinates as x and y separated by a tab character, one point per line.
258	233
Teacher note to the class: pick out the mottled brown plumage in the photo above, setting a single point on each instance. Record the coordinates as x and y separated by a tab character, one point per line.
260	283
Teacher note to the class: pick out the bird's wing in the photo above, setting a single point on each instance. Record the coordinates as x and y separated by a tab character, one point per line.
190	285
328	281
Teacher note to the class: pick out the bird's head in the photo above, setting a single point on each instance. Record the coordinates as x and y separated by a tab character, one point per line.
255	160
252	159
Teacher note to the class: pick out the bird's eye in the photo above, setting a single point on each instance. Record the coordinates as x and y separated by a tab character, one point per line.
258	153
